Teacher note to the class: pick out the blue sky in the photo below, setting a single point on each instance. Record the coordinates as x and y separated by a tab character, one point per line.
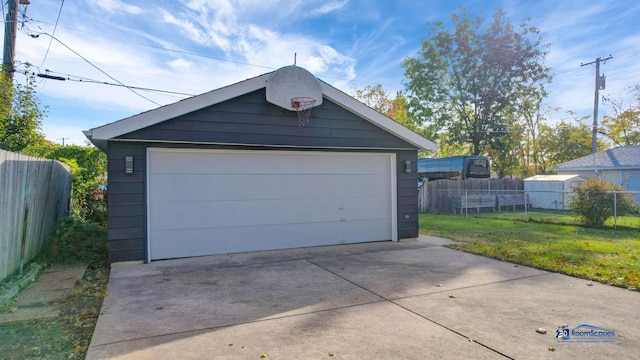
196	46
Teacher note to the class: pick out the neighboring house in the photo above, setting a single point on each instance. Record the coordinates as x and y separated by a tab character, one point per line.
232	170
620	166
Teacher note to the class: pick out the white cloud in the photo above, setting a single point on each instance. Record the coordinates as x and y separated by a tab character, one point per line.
180	64
117	5
329	7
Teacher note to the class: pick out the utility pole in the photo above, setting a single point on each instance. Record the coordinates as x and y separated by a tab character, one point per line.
10	28
62	140
596	99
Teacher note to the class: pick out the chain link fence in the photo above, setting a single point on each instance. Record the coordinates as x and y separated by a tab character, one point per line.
621	207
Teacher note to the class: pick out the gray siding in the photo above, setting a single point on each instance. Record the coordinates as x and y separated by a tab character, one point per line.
407	190
250	120
127	202
245	120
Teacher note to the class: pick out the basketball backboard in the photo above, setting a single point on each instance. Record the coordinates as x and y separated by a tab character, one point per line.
292	82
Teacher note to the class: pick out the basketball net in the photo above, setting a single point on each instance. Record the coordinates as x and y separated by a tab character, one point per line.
302	106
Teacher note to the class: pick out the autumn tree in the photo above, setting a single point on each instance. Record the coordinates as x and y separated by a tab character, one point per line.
624	128
379	99
466	80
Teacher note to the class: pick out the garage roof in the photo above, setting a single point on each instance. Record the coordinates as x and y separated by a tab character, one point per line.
100	135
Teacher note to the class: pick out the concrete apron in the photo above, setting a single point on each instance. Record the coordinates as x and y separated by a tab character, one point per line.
411	300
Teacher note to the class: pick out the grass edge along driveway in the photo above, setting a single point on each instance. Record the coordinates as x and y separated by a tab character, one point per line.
604	255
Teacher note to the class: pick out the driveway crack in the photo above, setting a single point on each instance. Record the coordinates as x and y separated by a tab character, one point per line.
391	301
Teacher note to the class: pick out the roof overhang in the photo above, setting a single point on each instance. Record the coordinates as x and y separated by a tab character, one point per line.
595	168
100	135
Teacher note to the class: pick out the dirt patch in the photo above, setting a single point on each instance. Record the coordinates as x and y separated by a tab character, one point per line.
66	336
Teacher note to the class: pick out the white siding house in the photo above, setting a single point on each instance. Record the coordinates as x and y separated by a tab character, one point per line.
620	166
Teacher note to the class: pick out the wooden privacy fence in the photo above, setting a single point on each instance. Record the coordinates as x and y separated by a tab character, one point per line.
34	198
445	196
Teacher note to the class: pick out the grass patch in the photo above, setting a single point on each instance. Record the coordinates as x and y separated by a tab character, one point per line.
68	335
559	217
604	255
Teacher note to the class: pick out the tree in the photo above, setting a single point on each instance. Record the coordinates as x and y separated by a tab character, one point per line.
624	128
20	114
465	80
377	98
564	142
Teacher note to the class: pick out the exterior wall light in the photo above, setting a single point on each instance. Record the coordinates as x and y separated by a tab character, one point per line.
128	164
407	166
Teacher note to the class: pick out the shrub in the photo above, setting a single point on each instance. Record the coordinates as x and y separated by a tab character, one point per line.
595	201
88	167
77	240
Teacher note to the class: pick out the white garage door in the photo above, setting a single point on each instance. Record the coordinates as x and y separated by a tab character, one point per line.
203	202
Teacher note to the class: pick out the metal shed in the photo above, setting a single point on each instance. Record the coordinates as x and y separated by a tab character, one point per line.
551	191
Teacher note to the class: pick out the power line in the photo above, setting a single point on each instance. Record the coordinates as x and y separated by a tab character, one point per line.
185	52
96	67
164	48
80	79
52	33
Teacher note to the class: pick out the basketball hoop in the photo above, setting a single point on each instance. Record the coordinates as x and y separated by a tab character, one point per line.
302	106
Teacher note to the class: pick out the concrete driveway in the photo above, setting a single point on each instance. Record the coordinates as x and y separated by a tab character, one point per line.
407	300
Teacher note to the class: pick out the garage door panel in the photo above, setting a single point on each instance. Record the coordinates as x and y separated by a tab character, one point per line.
180	215
261	187
198	242
218	201
170	162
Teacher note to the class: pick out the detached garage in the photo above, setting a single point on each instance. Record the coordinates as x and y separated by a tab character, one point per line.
236	170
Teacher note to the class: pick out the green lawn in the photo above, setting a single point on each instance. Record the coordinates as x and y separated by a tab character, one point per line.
604	255
559	217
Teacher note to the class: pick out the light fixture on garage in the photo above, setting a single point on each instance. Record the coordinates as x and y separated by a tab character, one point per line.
407	166
128	164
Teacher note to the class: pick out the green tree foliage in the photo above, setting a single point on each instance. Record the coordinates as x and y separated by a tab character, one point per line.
624	128
564	142
530	117
595	202
88	172
20	114
466	81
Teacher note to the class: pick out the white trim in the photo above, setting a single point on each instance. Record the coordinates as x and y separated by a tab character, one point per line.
256	145
394	197
152	117
148	211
